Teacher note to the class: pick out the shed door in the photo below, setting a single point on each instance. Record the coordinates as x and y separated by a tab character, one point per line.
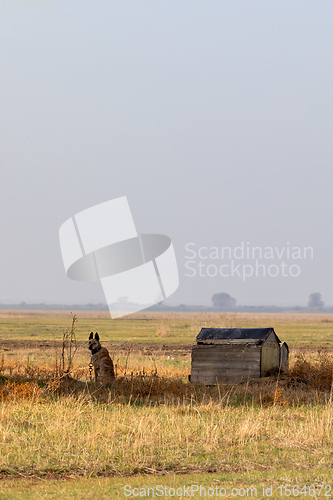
270	357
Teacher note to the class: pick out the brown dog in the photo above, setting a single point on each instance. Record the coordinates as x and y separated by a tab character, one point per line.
100	358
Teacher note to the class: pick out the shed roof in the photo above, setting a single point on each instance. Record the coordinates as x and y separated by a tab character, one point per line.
235	333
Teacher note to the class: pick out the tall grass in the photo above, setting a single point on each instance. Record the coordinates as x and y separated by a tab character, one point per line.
77	435
151	419
146	423
308	381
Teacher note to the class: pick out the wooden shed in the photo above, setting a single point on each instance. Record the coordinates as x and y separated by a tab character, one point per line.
232	355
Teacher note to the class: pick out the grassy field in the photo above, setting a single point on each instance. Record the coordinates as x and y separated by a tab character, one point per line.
163	328
72	439
276	485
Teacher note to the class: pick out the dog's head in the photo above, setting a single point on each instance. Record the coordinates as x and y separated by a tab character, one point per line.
94	344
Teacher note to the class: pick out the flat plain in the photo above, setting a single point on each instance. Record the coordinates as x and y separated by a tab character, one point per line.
63	436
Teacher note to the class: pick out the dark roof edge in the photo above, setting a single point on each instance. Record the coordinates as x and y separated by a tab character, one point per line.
236	333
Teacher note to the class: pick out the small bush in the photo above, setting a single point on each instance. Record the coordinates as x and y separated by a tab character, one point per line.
315	371
13	390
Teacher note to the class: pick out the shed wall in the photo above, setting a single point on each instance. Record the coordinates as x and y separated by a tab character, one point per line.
284	356
229	363
270	355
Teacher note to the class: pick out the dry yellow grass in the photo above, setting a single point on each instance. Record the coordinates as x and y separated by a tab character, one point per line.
79	436
308	381
152	420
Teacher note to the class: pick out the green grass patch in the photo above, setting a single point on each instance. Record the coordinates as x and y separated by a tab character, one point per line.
163	328
227	485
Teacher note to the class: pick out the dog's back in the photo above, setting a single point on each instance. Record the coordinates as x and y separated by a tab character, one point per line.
103	365
101	360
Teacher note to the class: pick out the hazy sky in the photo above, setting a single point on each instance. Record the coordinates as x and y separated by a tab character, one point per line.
213	117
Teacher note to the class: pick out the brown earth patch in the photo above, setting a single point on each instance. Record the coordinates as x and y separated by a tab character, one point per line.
146	348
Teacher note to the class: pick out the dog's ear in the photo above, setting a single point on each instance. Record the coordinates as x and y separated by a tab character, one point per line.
91	336
96	336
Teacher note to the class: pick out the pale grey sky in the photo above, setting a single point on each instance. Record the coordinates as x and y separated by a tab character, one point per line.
213	117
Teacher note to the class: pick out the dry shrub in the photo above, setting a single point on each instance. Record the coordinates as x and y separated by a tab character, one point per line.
68	351
164	330
2	362
276	397
146	389
153	386
144	379
15	390
315	371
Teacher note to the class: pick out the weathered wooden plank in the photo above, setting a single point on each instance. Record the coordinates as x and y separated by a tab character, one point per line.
229	363
270	358
243	375
228	345
221	352
226	367
224	379
223	359
221	362
218	350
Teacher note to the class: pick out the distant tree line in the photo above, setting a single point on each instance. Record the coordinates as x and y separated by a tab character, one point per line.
224	300
315	300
